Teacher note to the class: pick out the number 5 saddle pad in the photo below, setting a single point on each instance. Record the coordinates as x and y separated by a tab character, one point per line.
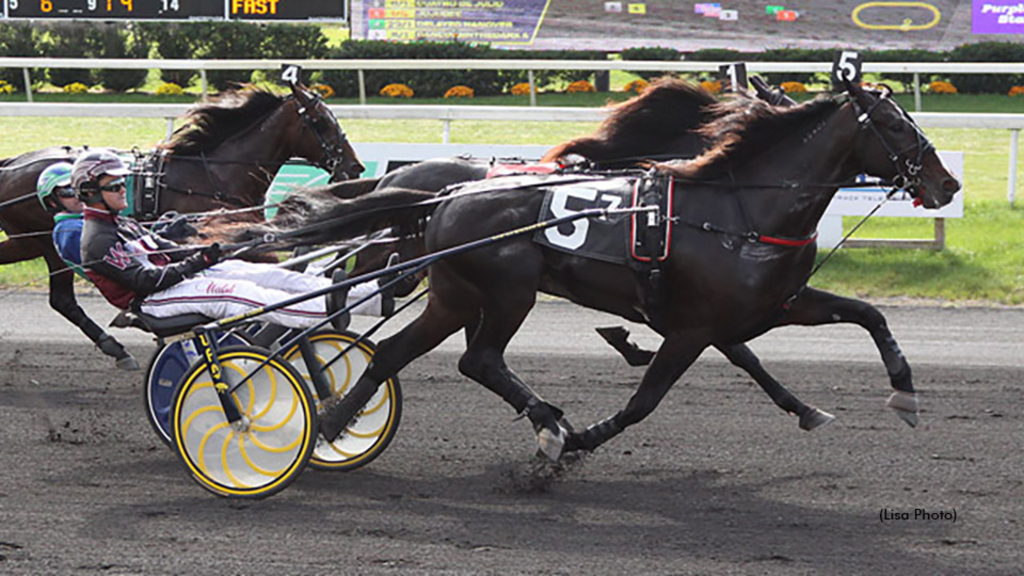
619	237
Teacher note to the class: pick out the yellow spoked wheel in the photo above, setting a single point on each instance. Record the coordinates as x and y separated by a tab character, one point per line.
267	449
372	430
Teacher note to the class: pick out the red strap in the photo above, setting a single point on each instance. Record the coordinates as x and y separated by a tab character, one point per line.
795	242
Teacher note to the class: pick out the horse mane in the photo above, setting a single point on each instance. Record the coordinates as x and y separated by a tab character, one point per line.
667	109
207	126
744	127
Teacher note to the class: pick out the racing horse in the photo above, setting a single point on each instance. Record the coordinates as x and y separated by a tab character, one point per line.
661	123
745	212
224	156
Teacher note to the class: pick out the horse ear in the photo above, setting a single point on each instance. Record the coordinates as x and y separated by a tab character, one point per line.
854	90
299	91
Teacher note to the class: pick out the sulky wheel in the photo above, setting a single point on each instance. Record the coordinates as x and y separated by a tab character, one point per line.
374	427
263	452
165	371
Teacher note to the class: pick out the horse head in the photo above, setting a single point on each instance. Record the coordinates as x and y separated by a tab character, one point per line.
332	150
896	149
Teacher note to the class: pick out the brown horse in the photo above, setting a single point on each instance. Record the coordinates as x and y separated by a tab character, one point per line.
769	176
224	156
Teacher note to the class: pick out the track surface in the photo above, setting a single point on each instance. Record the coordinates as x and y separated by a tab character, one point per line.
717	480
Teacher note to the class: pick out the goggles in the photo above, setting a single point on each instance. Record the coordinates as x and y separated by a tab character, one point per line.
65	192
113	186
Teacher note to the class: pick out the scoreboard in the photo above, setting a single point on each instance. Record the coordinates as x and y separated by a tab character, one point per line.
242	10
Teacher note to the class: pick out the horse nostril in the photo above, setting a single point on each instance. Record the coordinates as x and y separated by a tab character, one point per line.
950	185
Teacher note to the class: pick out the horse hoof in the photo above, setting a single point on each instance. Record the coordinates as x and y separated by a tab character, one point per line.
551	444
128	363
905	405
815	418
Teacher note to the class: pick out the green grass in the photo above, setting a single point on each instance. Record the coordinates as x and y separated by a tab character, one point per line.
983	261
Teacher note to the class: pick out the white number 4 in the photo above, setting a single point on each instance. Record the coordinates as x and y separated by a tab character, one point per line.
290	73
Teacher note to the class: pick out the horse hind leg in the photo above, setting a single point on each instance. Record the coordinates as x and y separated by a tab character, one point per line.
484	362
815	307
743	357
62	299
673	358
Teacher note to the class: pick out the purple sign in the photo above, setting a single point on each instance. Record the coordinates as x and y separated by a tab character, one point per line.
997	17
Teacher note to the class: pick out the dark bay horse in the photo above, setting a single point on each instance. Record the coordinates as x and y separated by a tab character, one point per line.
224	156
663	122
770	174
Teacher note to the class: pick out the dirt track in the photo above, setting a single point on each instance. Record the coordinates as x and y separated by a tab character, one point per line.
717	480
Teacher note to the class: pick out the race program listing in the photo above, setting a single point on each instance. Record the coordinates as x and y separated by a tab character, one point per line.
887	515
492	21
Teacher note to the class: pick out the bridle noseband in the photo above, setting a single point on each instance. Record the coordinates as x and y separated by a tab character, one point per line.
908	169
333	153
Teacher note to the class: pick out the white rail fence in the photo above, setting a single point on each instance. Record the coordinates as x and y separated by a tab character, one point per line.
447	114
202	66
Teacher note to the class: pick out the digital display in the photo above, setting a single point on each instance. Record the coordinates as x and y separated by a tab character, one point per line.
250	10
287	9
114	9
745	25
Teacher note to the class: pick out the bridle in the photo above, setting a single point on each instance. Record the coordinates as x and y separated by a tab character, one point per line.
333	152
908	168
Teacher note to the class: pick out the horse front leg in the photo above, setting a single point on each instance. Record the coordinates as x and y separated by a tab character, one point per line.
743	357
816	307
673	358
62	299
423	334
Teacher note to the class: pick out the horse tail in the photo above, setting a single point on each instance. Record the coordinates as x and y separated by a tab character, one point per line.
349	189
322	218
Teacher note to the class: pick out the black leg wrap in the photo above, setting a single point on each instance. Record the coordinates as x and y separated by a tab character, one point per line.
337	413
111	347
594	435
543	415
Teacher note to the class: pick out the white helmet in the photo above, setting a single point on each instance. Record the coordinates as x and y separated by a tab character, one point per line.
91	165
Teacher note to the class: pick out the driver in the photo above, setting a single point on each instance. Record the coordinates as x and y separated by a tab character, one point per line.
138	270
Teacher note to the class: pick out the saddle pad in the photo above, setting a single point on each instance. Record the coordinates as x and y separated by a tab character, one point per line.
598	238
512	169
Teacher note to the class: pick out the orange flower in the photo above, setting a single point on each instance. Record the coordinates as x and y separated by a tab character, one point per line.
459	92
939	87
712	86
793	87
580	86
396	91
1017	91
521	89
638	86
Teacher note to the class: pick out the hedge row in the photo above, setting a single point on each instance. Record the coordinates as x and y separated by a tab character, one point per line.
970	83
229	40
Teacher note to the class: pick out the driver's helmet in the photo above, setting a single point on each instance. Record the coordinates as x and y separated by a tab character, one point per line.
53	182
88	168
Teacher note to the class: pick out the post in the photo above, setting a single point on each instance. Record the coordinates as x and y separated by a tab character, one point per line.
917	91
1011	184
362	86
28	83
446	131
940	233
202	82
170	128
533	88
